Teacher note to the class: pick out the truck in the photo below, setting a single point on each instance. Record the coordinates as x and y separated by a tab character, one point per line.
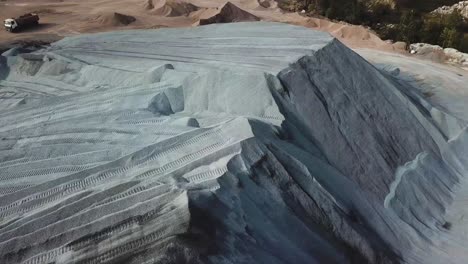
24	21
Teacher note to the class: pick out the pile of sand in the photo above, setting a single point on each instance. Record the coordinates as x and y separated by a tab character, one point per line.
268	3
113	19
344	31
169	8
229	13
351	32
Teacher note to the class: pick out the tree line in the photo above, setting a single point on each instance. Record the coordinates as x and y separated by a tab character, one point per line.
395	20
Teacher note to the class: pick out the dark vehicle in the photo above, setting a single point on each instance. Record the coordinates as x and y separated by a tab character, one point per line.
16	24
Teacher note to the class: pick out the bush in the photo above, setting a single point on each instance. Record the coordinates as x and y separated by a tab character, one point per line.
432	29
387	31
464	43
393	20
381	11
450	38
444	30
425	6
409	27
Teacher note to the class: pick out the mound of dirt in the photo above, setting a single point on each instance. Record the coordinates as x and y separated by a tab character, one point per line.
352	32
123	19
170	8
114	19
268	3
148	4
179	8
229	13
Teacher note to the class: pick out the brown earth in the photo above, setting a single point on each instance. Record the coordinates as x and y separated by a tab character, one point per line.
60	18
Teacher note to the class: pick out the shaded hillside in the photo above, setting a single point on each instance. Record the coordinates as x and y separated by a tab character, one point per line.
418	5
424	5
408	21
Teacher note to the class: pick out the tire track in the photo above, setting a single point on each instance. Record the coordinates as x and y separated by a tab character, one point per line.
111	231
92	181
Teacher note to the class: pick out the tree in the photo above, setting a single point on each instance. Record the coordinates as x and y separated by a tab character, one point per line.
450	38
455	20
432	28
464	43
409	27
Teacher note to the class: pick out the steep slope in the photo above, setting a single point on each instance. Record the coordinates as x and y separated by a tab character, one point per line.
235	143
169	8
229	13
424	5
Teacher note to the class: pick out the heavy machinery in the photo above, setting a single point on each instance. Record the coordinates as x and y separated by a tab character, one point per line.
24	21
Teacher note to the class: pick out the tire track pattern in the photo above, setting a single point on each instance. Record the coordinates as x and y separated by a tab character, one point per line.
80	151
96	170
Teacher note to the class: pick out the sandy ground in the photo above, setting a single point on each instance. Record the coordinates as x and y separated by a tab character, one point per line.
60	18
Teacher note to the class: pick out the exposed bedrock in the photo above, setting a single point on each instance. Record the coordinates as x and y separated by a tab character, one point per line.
236	143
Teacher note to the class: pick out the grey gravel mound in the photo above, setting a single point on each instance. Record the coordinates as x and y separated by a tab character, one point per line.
235	143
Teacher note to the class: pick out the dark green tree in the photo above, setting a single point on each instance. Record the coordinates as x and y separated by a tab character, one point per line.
409	27
432	28
455	20
464	43
450	38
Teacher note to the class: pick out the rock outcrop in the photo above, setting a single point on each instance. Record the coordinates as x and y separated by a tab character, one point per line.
235	143
461	6
439	54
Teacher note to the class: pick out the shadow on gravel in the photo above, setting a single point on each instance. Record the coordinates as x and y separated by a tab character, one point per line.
4	70
31	29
